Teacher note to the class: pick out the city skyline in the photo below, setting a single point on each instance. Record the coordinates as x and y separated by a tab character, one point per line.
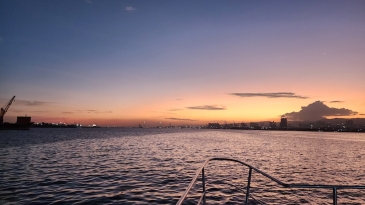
129	62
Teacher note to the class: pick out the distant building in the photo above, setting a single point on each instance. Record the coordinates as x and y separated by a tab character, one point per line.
320	124
243	124
304	125
349	123
272	124
214	126
23	120
254	125
284	122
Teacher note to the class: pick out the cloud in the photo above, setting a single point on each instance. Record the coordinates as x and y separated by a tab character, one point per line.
1	39
67	112
206	107
270	95
318	110
26	102
93	111
362	114
336	101
179	99
29	111
31	103
173	118
175	109
88	1
129	8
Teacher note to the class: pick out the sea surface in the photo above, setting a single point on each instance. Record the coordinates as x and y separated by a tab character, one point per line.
155	166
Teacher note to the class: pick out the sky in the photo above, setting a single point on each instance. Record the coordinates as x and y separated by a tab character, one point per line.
182	62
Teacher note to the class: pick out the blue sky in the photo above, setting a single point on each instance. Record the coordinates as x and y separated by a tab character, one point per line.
120	56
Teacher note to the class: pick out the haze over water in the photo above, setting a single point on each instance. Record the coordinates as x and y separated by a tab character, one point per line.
155	166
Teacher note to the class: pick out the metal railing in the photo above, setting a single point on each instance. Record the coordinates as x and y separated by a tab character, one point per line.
284	185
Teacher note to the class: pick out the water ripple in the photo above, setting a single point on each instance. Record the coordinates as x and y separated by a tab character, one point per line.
154	166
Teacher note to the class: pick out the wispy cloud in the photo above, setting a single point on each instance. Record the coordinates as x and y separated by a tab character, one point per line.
182	119
175	109
270	95
67	112
207	107
1	39
336	101
31	103
318	110
88	1
29	111
362	114
93	111
178	99
129	8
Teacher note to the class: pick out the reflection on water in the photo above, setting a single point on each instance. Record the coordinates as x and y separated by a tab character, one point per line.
144	166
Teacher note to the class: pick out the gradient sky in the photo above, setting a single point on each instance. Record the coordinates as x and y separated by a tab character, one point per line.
180	62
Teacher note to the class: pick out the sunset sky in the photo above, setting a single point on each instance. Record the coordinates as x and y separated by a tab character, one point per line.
182	62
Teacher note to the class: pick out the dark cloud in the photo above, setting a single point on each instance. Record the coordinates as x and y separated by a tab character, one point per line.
362	114
337	101
173	118
318	110
206	107
175	109
269	95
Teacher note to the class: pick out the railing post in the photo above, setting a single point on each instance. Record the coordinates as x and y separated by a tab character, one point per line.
248	185
203	180
334	196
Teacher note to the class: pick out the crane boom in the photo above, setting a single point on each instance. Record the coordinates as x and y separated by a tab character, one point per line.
5	109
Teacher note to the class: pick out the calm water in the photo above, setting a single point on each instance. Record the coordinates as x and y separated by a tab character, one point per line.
154	166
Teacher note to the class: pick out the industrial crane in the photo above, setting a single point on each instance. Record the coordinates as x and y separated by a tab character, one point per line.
5	109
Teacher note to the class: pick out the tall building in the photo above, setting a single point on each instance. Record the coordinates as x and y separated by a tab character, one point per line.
284	122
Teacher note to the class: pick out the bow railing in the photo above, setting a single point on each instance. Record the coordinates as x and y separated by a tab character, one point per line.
202	199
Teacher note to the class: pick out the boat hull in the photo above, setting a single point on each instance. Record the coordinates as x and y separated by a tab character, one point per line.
15	126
